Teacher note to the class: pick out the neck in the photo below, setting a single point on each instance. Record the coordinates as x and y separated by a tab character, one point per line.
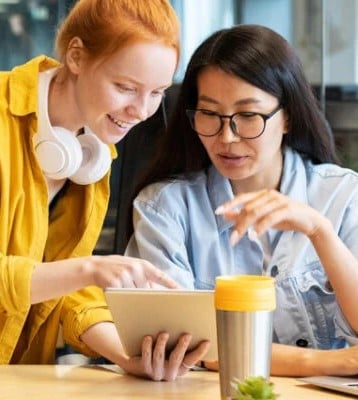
62	107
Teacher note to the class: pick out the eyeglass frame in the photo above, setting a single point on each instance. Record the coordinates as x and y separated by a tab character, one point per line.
191	112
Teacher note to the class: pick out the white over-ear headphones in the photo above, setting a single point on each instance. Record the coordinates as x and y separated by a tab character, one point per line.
83	159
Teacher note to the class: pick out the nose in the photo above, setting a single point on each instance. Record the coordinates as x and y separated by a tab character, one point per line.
139	108
227	134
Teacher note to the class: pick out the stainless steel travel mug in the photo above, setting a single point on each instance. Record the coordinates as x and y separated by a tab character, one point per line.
244	313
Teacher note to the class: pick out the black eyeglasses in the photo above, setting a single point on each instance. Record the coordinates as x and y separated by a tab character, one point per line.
247	125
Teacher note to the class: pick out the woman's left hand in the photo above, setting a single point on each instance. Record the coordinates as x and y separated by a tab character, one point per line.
154	364
264	209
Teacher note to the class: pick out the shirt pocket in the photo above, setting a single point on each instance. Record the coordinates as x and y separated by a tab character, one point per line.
318	301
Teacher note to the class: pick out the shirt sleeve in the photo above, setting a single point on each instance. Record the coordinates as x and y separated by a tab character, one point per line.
80	311
348	230
348	233
160	238
15	273
344	330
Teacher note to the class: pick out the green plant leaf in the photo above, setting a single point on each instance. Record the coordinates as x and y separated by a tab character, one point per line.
254	388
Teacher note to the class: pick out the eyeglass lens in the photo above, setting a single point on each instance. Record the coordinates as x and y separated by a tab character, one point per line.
208	124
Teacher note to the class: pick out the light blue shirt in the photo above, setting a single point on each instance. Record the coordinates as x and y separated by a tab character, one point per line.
177	230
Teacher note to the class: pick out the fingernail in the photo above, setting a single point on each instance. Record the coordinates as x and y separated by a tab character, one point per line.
251	233
219	210
234	238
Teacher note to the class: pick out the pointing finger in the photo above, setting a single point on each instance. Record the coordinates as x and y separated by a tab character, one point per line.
156	275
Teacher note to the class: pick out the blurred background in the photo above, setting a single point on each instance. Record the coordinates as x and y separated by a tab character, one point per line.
324	32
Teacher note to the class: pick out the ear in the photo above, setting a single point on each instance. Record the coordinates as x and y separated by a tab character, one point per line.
75	55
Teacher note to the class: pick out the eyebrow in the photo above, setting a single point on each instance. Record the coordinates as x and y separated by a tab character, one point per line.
245	101
135	82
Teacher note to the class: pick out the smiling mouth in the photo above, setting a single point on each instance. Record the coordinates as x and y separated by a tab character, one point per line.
120	124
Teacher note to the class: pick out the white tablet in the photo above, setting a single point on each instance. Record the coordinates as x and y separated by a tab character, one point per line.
141	312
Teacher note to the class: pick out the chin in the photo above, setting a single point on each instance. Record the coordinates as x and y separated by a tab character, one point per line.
116	139
231	174
237	176
113	137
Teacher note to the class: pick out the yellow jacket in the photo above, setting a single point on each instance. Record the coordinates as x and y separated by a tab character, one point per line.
31	233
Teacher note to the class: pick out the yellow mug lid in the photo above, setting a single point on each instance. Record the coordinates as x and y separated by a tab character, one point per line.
245	293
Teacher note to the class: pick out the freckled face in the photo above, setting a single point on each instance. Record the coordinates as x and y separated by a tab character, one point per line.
125	89
254	163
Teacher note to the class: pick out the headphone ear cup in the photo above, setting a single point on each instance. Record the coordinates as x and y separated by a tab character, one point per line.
96	160
59	157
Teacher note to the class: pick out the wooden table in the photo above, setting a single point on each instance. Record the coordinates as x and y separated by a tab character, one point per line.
60	382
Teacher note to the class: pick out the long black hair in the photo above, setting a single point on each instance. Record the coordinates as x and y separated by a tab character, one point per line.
264	59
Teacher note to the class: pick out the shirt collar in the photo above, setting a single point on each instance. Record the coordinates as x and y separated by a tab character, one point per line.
220	192
294	179
23	85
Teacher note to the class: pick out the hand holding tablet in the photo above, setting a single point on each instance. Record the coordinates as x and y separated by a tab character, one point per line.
141	312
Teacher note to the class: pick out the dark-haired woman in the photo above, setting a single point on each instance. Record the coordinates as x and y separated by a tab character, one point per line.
249	184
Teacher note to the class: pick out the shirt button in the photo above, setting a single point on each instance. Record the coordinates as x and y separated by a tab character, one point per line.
301	343
274	271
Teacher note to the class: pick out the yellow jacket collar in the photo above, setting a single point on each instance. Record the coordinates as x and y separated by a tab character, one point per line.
22	85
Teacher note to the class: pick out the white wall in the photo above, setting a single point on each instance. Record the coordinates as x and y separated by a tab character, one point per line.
200	18
340	39
299	21
275	14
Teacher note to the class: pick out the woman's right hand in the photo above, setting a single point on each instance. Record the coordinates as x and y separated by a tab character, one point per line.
340	362
126	272
58	278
